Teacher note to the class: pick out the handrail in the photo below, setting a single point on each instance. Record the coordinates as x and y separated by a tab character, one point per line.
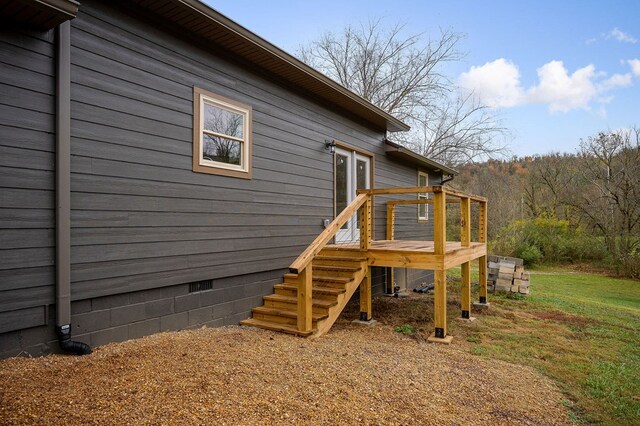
321	240
422	190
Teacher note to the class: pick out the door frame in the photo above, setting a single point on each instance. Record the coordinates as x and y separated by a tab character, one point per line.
358	151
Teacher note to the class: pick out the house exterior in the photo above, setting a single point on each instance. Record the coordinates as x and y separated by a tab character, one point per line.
161	166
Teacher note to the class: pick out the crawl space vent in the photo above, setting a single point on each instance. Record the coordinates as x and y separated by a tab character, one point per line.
200	286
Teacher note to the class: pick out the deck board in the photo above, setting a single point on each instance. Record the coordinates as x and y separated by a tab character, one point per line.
417	254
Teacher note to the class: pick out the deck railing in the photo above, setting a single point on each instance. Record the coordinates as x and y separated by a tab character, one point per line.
441	197
363	206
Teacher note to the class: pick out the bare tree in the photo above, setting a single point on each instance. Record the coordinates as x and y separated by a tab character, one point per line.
458	131
402	75
545	187
610	201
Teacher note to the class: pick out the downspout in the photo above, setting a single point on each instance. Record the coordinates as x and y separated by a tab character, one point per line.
449	178
63	193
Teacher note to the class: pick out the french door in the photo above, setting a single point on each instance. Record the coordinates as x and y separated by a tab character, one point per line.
352	172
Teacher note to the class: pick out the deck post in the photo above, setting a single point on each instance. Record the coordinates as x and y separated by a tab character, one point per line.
465	222
391	219
440	307
482	260
305	303
465	297
482	278
440	281
365	297
465	241
439	222
365	224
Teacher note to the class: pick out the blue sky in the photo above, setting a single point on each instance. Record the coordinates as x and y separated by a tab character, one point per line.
555	71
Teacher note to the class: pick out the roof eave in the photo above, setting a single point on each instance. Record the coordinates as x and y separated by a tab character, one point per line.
395	150
349	100
39	14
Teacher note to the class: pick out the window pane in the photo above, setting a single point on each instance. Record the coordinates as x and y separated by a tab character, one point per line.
221	150
222	121
342	184
361	174
422	211
422	180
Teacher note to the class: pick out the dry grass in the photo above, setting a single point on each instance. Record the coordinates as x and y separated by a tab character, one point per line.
235	375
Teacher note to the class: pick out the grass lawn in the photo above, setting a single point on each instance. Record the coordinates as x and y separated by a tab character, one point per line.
582	330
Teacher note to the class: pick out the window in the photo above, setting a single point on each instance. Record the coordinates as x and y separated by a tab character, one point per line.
222	135
423	209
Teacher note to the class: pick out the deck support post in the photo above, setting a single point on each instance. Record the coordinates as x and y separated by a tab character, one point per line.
391	220
305	303
440	282
440	309
482	261
365	297
465	241
482	278
465	297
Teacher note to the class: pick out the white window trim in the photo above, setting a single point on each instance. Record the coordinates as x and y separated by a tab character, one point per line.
423	196
200	164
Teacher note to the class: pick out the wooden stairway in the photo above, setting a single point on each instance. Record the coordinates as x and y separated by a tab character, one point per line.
335	277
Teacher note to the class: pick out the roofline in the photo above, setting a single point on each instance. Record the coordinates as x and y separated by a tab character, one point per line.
393	124
418	158
69	8
39	14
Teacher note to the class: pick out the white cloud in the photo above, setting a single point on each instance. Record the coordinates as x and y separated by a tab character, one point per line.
498	85
615	81
621	36
563	92
635	66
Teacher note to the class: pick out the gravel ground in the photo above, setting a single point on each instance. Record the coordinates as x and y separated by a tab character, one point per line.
241	376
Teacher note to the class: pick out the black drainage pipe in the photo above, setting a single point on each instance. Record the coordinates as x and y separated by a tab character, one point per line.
63	193
68	345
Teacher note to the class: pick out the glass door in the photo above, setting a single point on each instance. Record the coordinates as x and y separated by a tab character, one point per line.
352	172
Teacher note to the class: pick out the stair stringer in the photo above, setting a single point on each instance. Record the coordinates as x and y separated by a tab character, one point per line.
324	325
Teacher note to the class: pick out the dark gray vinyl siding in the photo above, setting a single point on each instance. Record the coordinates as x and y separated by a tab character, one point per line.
140	217
27	156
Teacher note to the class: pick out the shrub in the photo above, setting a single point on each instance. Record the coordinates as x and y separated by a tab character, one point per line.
530	254
547	240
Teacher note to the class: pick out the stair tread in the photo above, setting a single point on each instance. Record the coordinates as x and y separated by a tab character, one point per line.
291	329
317	278
315	289
337	268
341	258
316	302
284	313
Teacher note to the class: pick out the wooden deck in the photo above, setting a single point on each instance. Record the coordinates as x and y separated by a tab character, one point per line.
324	276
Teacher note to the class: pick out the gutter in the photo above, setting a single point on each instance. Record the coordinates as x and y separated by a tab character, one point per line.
63	193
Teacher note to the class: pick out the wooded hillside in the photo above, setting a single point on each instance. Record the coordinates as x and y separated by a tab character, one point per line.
566	207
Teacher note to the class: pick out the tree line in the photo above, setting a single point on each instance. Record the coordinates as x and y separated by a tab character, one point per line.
566	207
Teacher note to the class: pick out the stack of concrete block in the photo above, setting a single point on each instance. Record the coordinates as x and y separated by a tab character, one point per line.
507	274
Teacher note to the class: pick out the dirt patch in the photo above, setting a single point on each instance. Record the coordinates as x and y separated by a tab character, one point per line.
562	317
236	375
